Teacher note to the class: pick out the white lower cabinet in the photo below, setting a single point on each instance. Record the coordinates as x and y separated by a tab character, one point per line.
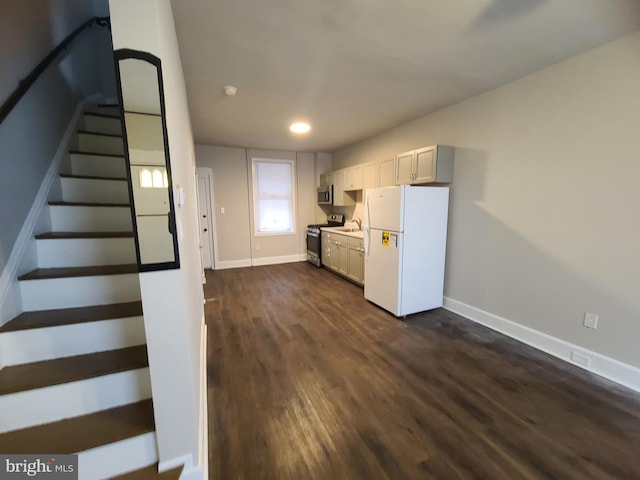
325	246
344	255
356	260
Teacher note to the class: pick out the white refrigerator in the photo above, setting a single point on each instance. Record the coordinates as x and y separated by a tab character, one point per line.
405	236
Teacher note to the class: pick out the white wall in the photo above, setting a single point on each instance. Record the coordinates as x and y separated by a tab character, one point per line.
237	245
231	194
172	299
544	220
27	35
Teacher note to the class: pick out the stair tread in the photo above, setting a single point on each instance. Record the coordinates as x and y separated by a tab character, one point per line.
151	473
87	204
71	316
80	152
72	235
99	134
29	376
92	177
81	433
67	272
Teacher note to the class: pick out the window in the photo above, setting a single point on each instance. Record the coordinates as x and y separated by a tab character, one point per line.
154	179
273	196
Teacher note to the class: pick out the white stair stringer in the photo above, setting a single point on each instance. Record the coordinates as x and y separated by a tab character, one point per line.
94	190
65	218
73	399
81	252
98	165
57	293
101	123
100	143
38	344
118	458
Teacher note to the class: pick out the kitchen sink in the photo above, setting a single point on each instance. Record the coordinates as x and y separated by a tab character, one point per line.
347	229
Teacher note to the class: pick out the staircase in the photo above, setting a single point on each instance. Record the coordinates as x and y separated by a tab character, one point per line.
75	376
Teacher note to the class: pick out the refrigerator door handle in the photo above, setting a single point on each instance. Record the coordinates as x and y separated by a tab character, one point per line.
365	230
366	243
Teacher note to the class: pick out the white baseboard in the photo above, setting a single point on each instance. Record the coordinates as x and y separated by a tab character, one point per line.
257	262
185	461
226	264
9	287
606	367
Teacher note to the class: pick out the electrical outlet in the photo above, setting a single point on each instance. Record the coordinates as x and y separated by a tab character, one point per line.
590	320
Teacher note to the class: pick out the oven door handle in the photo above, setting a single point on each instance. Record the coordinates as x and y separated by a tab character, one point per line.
311	234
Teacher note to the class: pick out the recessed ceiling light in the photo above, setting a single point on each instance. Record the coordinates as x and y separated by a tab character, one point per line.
300	127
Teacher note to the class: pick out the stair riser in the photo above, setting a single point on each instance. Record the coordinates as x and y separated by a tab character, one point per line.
118	458
91	219
81	252
57	293
98	166
108	110
100	144
102	125
90	190
39	344
73	399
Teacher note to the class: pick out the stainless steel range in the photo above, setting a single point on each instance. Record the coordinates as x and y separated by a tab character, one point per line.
314	248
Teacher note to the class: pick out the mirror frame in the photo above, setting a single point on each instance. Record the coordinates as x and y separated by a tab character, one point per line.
125	54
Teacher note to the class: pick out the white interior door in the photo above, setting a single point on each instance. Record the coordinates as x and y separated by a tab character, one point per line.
206	226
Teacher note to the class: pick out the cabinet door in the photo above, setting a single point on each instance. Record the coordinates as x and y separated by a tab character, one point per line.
370	176
338	188
340	199
348	179
343	258
354	268
425	166
325	246
387	172
356	264
334	256
356	175
404	168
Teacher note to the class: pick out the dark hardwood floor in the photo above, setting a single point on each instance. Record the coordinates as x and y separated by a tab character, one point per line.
308	380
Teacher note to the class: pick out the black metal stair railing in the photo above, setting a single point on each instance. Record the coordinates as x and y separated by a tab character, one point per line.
30	79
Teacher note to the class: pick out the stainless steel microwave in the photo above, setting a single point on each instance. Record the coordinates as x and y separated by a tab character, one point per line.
325	195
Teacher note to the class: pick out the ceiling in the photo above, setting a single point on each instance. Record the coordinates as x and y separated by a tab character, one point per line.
354	68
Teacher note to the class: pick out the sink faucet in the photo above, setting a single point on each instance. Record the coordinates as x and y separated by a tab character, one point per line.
358	221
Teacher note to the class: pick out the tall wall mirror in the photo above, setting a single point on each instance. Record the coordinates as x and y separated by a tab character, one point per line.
147	152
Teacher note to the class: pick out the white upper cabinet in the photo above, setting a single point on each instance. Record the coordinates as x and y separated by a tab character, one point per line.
353	178
425	165
340	198
405	168
387	172
370	176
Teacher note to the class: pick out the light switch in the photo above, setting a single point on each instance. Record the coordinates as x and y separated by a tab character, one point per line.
222	210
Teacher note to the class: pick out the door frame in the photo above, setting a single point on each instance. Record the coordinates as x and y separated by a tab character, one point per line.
213	237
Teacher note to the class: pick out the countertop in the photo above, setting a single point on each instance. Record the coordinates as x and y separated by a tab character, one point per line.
341	231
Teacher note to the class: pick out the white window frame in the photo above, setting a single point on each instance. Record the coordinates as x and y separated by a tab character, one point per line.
292	163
